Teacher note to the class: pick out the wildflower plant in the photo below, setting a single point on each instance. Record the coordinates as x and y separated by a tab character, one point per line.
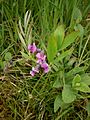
59	54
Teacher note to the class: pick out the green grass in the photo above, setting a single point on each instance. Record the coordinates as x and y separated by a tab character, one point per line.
26	98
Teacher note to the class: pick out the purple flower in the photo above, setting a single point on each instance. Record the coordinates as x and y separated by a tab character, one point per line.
35	70
32	73
45	67
32	48
41	60
41	57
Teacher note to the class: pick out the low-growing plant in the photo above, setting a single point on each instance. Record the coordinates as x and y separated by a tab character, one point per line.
70	76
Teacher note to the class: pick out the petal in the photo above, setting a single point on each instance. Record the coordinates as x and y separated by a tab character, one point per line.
39	61
35	69
38	55
29	47
32	48
44	65
44	57
41	56
46	70
32	73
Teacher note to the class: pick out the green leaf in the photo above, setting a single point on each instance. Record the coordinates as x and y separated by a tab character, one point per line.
77	15
8	56
55	67
80	28
83	88
76	81
63	55
25	55
57	83
59	35
2	64
85	78
22	39
71	61
69	39
57	103
68	95
51	48
78	84
75	71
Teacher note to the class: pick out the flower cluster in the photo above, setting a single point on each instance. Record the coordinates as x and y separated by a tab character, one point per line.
41	60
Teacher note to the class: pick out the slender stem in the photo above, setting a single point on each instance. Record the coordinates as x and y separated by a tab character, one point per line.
84	48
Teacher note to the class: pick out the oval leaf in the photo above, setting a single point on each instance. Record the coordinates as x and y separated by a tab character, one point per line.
57	83
59	35
85	78
83	88
57	103
8	56
69	39
80	28
77	15
51	48
74	71
63	55
76	81
68	94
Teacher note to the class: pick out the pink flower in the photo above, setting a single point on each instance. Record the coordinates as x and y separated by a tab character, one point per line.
32	48
32	73
34	70
41	57
45	67
41	60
